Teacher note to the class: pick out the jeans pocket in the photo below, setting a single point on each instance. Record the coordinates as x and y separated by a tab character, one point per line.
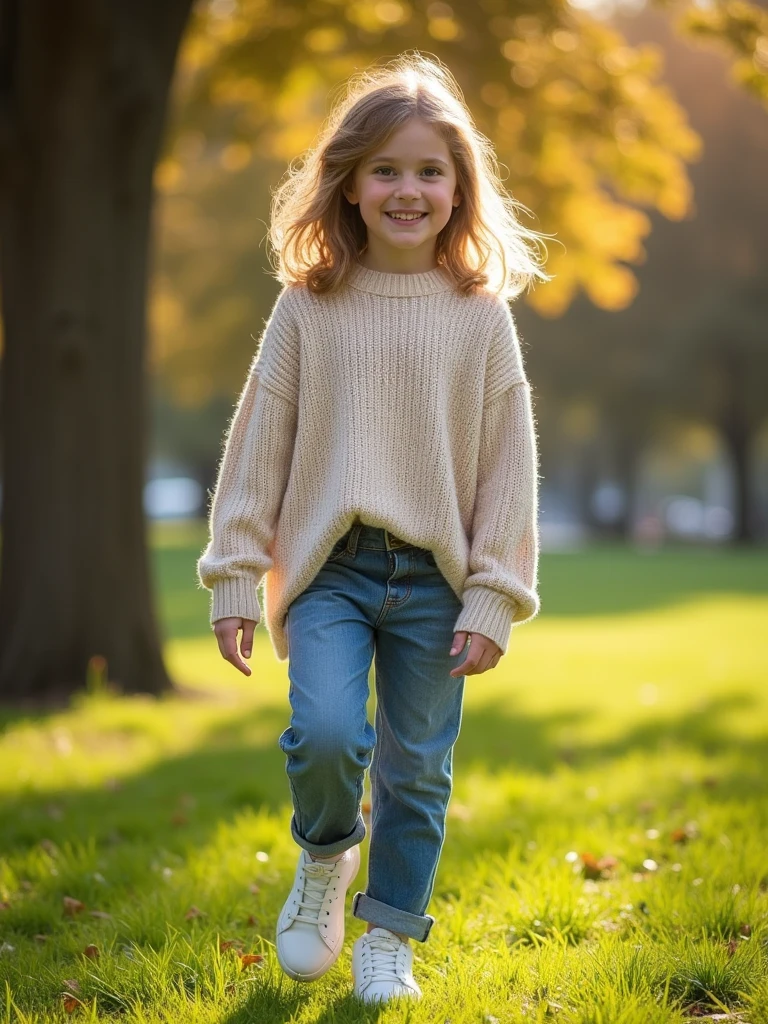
340	549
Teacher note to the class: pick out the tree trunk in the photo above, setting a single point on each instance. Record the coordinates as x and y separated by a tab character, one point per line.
628	451
736	437
736	430
83	93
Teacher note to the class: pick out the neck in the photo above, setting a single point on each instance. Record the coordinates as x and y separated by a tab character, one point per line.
384	266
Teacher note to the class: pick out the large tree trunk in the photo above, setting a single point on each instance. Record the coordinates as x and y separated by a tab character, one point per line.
83	93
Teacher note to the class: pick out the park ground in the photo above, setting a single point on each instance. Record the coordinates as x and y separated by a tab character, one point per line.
606	858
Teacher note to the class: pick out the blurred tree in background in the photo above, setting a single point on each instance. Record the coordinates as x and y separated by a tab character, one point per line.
579	116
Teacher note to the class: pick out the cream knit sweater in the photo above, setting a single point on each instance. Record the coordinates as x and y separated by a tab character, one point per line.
397	400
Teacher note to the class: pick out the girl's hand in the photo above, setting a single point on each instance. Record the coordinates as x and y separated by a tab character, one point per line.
484	653
226	635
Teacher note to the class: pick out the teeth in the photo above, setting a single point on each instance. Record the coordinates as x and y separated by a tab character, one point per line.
405	216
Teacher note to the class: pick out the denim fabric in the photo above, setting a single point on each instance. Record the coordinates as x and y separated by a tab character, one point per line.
376	598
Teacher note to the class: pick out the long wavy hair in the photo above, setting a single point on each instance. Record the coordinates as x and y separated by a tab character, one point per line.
317	235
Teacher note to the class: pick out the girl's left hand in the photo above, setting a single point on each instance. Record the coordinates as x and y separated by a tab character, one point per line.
484	653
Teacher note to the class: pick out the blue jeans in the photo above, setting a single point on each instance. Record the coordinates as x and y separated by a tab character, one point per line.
378	597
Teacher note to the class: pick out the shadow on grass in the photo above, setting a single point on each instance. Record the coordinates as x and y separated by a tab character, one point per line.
229	775
334	1011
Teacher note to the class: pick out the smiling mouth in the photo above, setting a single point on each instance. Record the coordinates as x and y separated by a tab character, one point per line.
407	220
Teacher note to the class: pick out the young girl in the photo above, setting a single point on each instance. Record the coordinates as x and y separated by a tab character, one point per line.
381	470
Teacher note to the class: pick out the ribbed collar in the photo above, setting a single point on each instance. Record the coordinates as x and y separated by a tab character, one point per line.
426	283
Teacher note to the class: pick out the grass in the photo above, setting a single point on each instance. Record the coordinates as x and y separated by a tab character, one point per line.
605	859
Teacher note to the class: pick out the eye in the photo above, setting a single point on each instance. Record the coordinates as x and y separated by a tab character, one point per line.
383	168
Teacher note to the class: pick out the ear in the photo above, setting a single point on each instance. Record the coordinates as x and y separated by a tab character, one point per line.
456	199
350	194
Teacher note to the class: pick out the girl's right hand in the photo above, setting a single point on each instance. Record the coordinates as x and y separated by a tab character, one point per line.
226	631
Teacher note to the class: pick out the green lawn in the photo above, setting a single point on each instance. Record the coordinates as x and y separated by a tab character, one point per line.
606	859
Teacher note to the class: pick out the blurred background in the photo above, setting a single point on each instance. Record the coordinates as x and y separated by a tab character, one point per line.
142	151
627	137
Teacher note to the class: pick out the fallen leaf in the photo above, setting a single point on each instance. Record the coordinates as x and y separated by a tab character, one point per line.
595	868
254	889
194	912
40	938
102	914
73	984
589	865
92	951
745	929
231	943
246	959
251	922
72	906
71	1002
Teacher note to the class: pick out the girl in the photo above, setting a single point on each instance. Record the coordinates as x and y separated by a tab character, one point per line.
381	470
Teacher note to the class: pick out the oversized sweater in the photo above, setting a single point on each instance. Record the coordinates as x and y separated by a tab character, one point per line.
398	402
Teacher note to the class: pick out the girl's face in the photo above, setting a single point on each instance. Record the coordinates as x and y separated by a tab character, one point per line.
413	172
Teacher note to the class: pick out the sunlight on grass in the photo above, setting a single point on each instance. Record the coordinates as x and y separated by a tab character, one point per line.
604	861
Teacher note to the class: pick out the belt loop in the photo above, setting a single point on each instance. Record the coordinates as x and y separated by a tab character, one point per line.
352	542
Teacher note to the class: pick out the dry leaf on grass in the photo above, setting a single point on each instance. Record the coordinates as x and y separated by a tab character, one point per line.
72	906
231	944
246	959
594	867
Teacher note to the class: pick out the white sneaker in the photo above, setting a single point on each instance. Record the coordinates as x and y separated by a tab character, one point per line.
382	967
310	928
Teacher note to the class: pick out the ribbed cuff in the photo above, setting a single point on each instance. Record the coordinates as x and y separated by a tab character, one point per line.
236	597
488	612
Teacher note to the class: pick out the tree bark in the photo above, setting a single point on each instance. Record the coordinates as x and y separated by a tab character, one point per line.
83	95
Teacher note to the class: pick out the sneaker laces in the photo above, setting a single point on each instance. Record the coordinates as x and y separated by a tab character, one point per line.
380	954
316	879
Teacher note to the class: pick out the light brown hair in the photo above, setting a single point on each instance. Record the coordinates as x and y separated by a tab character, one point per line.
318	235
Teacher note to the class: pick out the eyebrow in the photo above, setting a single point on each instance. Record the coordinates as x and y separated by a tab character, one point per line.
392	160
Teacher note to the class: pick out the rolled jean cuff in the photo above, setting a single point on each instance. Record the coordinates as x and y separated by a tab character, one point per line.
416	926
330	849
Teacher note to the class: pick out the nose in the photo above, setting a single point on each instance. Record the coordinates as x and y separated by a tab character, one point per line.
408	189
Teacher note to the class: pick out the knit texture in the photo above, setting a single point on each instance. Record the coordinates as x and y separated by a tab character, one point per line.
397	400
